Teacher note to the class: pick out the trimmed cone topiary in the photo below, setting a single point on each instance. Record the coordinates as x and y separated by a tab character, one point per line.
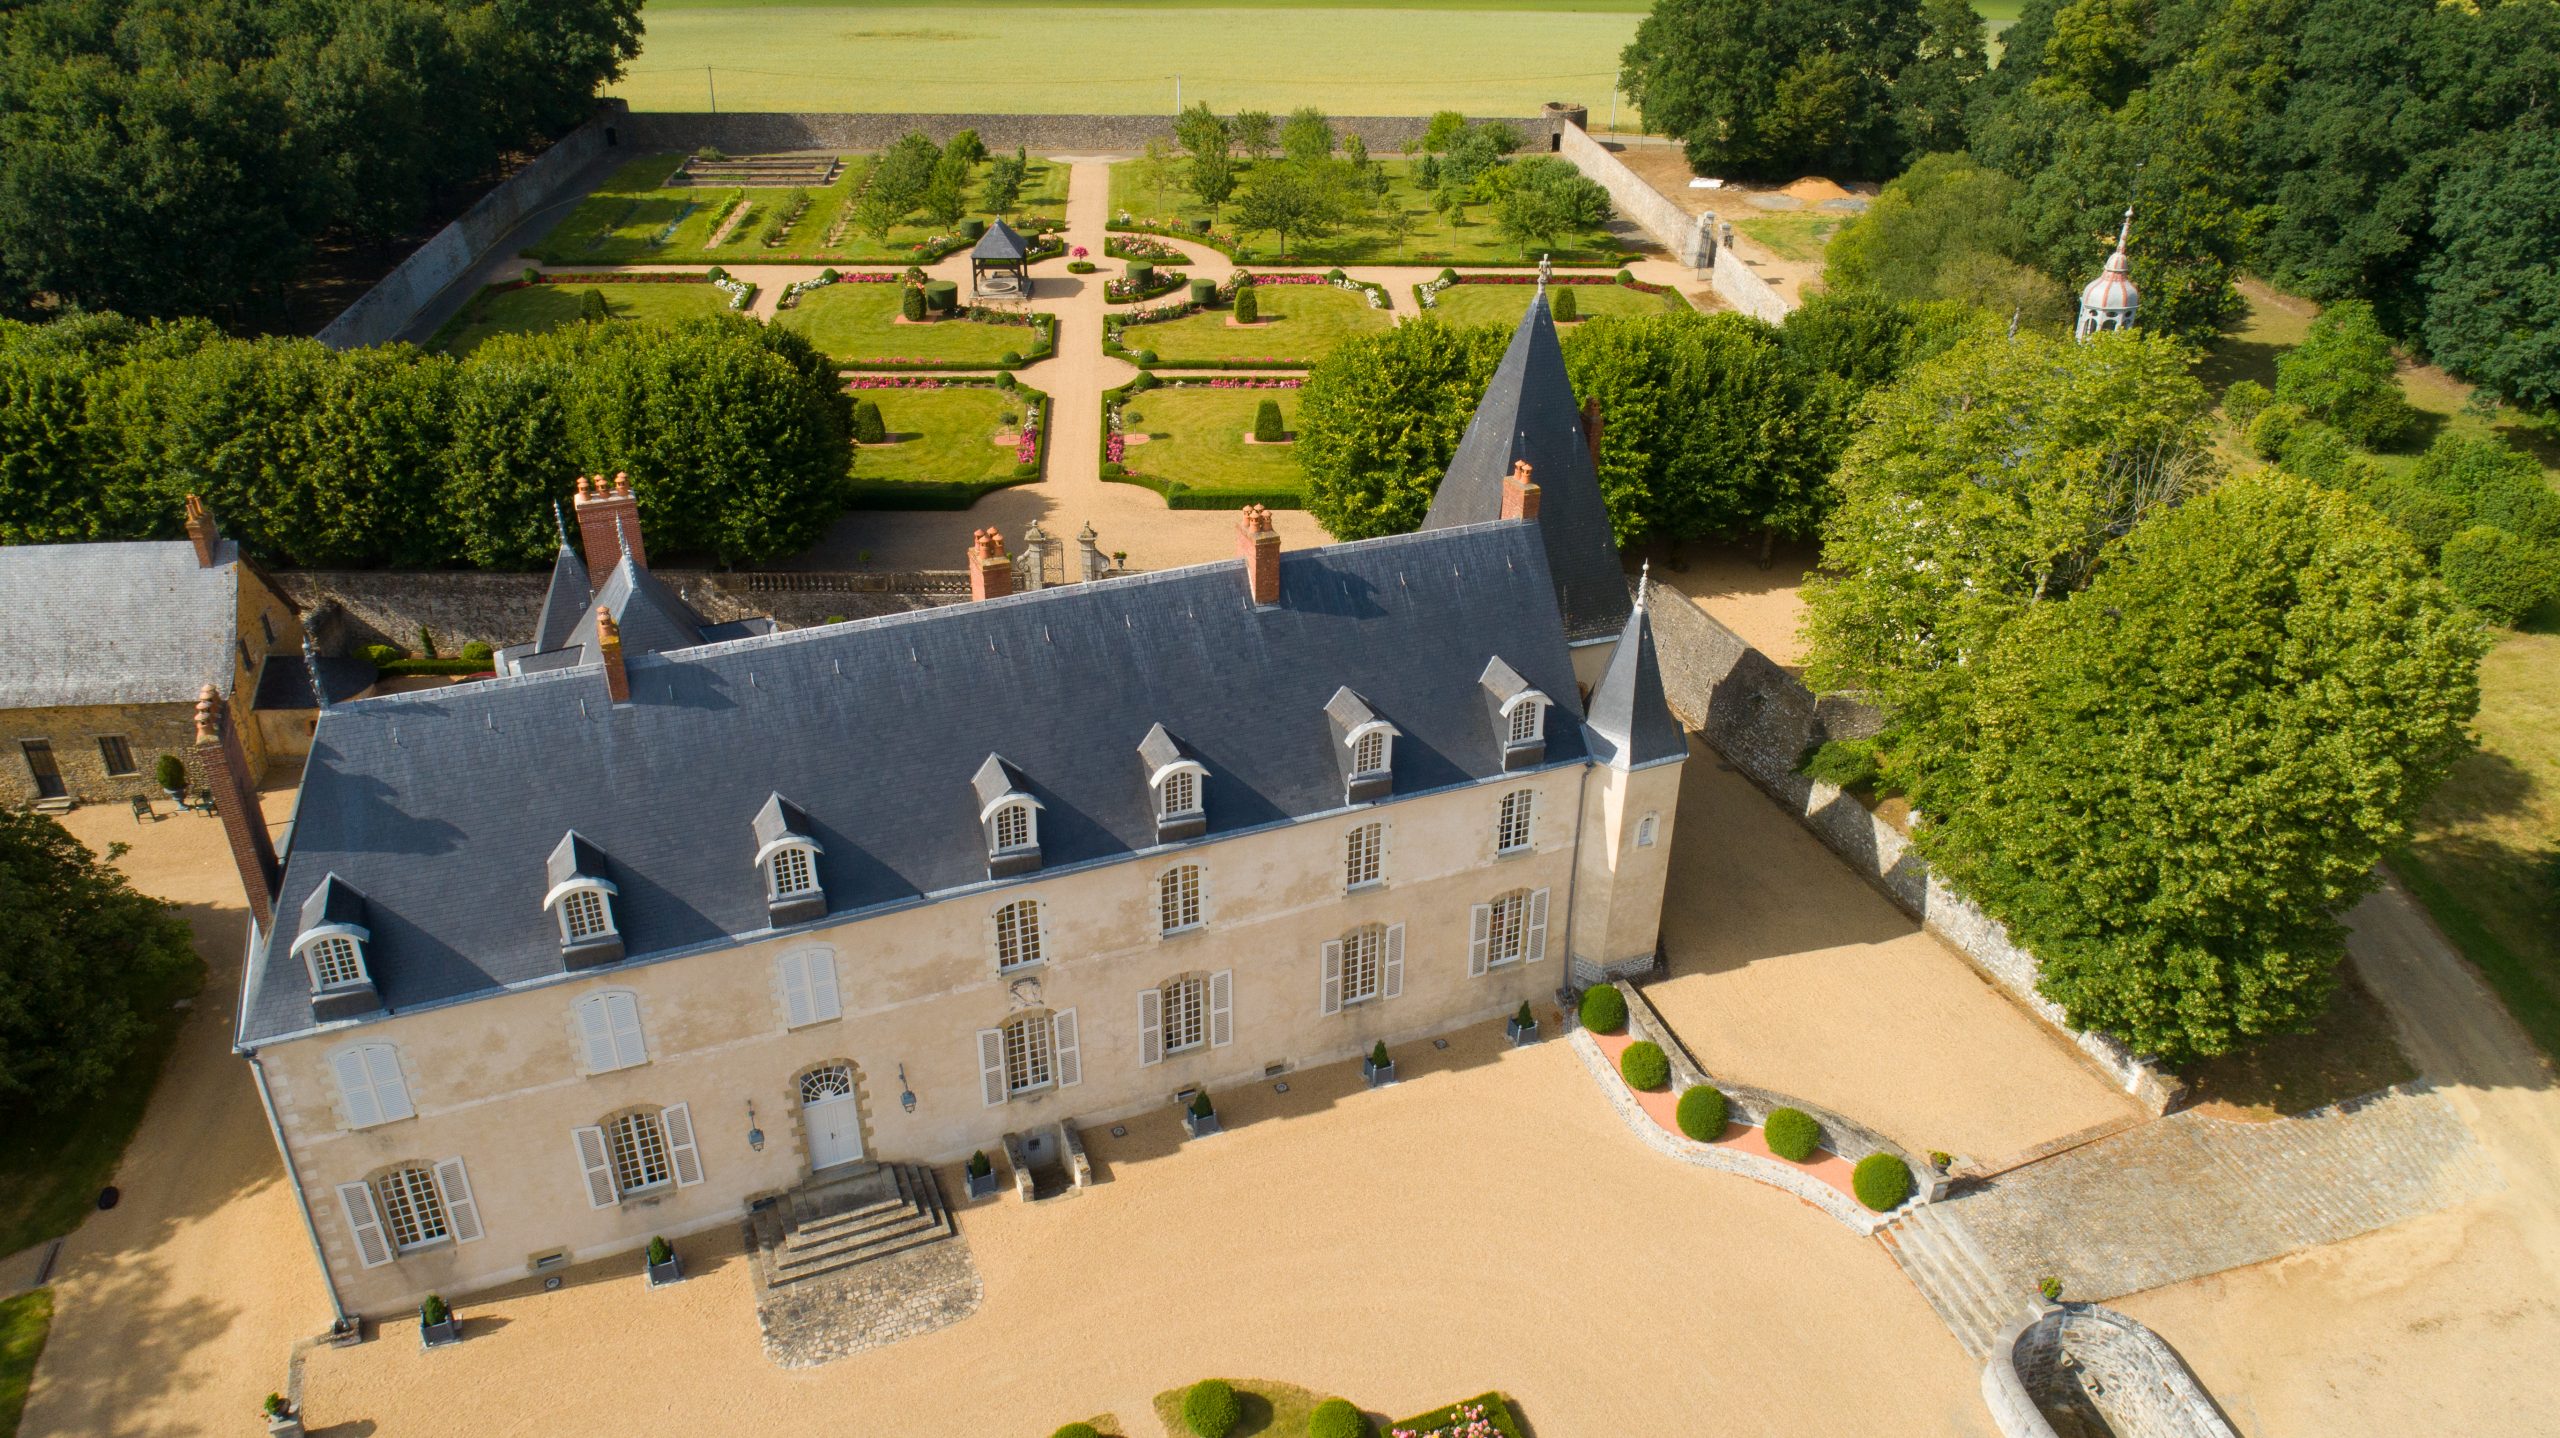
911	304
1200	1105
1337	1418
1248	309
1792	1134
1644	1066
1266	422
1880	1181
1210	1409
1560	303
1604	1009
1702	1113
868	427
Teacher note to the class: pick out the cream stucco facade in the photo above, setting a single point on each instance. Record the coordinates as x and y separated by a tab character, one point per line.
502	1083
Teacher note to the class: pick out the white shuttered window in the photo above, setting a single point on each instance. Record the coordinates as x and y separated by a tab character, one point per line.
609	1023
370	1085
809	987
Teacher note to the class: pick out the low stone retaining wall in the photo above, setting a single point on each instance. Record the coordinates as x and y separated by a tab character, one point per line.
1690	239
1740	286
2102	1372
763	132
1764	721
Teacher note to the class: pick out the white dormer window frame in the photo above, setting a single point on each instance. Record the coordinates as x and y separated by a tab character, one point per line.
1179	788
584	905
1373	749
790	868
1524	719
334	955
1013	824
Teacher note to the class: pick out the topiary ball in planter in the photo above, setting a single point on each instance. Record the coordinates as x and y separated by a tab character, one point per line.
1210	1409
1604	1009
1702	1113
1644	1066
1266	422
1337	1418
1792	1134
1881	1181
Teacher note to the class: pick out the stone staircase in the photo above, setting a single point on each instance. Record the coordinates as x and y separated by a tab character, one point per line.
829	1227
1940	1259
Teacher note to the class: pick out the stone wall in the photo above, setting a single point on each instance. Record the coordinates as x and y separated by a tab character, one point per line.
2080	1368
358	607
1764	721
1740	286
149	730
761	132
383	313
1687	238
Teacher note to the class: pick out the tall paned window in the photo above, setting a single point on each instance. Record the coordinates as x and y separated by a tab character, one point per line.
1361	854
639	1146
1509	936
1511	831
1029	1053
1181	793
1018	934
1369	756
1363	960
411	1208
1013	827
1178	899
1186	1007
1524	721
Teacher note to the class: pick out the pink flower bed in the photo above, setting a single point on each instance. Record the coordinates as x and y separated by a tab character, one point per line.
1111	448
1288	383
900	381
1289	280
1471	1423
1027	448
615	277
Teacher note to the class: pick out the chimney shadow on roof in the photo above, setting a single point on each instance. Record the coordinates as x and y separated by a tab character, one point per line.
1324	590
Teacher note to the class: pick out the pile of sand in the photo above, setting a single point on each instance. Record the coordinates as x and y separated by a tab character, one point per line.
1813	190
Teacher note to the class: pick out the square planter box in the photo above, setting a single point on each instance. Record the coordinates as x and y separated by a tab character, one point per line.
284	1426
671	1271
1521	1033
981	1185
1200	1126
439	1335
1378	1075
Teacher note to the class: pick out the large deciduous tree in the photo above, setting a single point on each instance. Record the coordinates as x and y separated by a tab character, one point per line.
2182	776
1773	88
2493	301
1943	230
85	963
1381	415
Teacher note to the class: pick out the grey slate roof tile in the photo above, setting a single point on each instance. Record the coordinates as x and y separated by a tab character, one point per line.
1631	723
137	623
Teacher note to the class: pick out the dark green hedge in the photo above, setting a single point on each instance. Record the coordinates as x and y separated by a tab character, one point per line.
1792	1134
1881	1181
1702	1113
1211	1408
1644	1066
1497	1412
1339	1418
1604	1009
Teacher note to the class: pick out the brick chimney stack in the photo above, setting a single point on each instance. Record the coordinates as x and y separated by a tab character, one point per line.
1519	492
617	679
1258	545
225	767
1593	421
608	520
202	531
990	572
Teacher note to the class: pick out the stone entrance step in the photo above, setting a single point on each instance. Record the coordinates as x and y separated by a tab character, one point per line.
1942	1262
832	1226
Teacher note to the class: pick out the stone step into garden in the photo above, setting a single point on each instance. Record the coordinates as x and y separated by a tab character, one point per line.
1942	1263
895	1209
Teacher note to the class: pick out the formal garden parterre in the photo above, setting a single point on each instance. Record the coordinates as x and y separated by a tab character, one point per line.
1196	443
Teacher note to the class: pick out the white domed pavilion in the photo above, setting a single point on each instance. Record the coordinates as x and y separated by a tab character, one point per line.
2110	300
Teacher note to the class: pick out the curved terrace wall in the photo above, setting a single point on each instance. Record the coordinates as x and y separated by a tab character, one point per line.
2094	1369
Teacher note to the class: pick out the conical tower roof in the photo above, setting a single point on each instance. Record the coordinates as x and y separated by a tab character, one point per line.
1529	412
1629	720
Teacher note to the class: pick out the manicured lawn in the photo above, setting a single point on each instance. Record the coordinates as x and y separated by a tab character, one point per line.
1505	304
635	218
945	436
531	309
1798	236
24	1322
854	325
1298	322
1435	240
1196	438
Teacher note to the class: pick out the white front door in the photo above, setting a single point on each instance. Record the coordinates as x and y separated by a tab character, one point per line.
830	1112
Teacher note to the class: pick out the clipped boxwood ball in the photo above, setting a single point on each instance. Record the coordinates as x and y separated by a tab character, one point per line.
1881	1181
1210	1408
1702	1113
1644	1066
1078	1430
1336	1418
1792	1134
1604	1009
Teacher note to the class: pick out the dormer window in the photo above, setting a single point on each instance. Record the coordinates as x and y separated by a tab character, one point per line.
1365	743
1010	817
1519	714
1180	783
582	899
789	859
331	945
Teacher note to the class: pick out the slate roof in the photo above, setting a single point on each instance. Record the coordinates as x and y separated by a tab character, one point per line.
1529	412
442	805
999	243
653	618
284	681
1630	723
137	623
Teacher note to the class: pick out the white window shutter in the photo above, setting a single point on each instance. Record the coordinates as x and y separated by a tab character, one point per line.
1332	976
795	990
1150	1027
628	1049
1479	939
355	1086
677	1120
1062	1034
596	1026
1393	985
599	1167
372	1249
1537	946
390	1088
460	1213
1222	1024
823	1003
991	1064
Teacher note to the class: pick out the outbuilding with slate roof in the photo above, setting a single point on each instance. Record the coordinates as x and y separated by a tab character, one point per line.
1000	265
